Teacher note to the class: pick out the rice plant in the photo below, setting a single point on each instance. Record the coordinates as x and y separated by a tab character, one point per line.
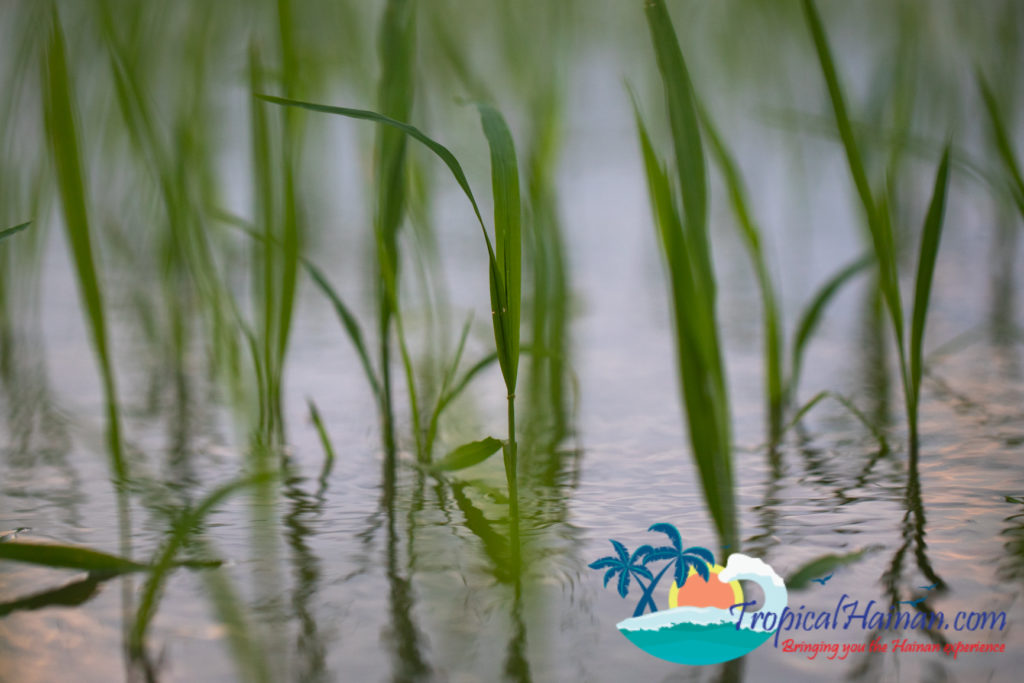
879	222
62	133
780	388
504	256
685	245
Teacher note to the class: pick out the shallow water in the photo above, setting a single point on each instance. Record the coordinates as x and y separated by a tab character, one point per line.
353	579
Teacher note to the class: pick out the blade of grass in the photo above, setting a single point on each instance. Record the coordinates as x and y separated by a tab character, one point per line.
394	99
687	253
682	114
7	232
446	383
931	234
850	407
467	455
62	135
325	441
344	313
68	557
506	288
1001	137
508	239
751	233
877	218
812	315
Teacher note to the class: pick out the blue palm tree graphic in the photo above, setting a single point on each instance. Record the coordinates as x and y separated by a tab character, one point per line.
626	566
678	559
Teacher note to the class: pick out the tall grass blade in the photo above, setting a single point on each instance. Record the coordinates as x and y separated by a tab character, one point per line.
394	99
344	313
931	234
508	240
682	116
7	232
877	216
62	135
774	385
506	290
688	258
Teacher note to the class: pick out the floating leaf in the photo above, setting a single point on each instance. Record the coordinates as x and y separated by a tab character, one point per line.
469	454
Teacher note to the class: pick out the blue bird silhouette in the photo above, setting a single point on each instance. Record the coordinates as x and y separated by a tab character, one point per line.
823	580
931	587
911	602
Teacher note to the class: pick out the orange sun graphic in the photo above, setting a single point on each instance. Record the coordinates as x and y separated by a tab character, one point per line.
696	592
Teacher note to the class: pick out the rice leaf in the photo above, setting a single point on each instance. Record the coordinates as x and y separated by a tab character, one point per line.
812	314
1002	141
508	240
686	138
467	455
442	152
345	315
931	234
7	232
688	260
325	441
68	557
751	233
877	216
62	135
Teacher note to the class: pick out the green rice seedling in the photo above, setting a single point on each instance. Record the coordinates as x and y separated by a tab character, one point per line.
780	389
1000	135
62	135
504	259
879	223
325	441
276	261
686	248
394	99
181	170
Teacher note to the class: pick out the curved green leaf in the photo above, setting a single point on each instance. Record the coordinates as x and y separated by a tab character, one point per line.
467	455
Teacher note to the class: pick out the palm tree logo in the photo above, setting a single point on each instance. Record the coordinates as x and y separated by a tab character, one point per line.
628	566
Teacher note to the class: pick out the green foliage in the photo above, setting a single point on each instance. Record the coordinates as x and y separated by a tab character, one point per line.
883	241
685	245
62	134
68	557
1004	146
467	455
7	232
